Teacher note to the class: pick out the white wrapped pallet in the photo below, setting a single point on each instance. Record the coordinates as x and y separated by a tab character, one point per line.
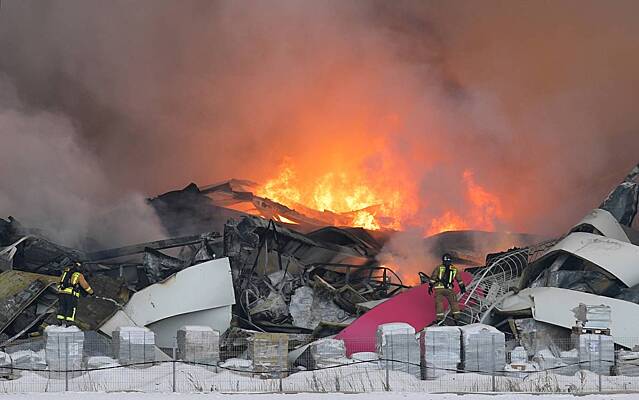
198	344
518	356
133	345
327	353
441	350
628	363
269	352
483	348
29	359
64	348
596	352
366	360
5	365
398	348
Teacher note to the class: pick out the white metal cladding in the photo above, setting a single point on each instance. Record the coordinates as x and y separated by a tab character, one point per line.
198	294
200	287
619	258
555	305
605	223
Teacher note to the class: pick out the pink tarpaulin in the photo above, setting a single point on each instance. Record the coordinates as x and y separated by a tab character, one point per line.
415	307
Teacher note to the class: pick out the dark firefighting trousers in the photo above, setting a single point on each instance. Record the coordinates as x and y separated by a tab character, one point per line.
451	297
67	305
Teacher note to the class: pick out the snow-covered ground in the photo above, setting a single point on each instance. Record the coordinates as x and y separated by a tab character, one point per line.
360	378
314	396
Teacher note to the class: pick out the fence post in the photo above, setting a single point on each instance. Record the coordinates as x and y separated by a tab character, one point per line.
494	363
174	362
66	363
387	362
600	372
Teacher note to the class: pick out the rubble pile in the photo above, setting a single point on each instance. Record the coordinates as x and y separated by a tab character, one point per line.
242	280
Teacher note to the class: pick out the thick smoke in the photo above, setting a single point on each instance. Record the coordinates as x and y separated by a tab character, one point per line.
536	98
49	182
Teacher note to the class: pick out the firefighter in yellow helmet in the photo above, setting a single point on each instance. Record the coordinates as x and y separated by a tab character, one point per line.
443	281
72	285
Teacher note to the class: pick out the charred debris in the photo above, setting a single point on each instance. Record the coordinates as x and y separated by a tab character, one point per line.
298	271
326	271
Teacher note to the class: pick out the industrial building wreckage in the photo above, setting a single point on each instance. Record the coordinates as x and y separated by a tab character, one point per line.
241	264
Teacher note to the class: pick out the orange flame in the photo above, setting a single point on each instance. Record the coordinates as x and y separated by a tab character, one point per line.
377	207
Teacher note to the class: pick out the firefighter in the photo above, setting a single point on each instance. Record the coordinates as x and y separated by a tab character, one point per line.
443	282
72	285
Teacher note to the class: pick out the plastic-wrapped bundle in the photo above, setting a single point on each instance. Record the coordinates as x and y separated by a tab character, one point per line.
441	350
328	353
565	363
628	363
593	317
198	344
596	352
399	348
518	355
64	348
5	365
133	345
29	359
269	352
483	348
366	360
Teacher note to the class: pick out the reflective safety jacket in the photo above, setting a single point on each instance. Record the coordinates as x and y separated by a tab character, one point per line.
444	277
72	283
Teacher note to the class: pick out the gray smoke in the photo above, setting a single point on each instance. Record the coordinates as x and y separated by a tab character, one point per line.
536	98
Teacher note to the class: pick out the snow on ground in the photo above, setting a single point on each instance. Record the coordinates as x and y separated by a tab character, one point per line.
358	378
312	396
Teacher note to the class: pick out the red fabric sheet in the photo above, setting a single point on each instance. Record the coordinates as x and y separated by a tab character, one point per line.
415	307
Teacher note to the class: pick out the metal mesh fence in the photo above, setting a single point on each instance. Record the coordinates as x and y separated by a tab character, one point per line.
456	363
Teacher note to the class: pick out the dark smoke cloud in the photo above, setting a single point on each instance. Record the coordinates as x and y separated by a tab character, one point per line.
536	98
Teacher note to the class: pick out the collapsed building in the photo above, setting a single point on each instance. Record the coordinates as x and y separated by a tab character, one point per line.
242	264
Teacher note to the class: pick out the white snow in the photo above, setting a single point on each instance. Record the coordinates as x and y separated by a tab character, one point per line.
61	329
314	396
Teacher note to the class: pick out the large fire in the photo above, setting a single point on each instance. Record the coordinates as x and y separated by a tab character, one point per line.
371	206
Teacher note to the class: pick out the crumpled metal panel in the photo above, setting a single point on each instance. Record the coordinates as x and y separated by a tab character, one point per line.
604	222
623	201
617	257
200	287
191	291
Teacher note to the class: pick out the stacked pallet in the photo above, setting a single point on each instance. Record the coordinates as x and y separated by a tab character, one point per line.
198	344
398	348
483	348
64	348
269	352
133	345
326	353
441	351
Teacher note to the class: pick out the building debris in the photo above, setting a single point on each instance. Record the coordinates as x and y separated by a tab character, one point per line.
257	278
